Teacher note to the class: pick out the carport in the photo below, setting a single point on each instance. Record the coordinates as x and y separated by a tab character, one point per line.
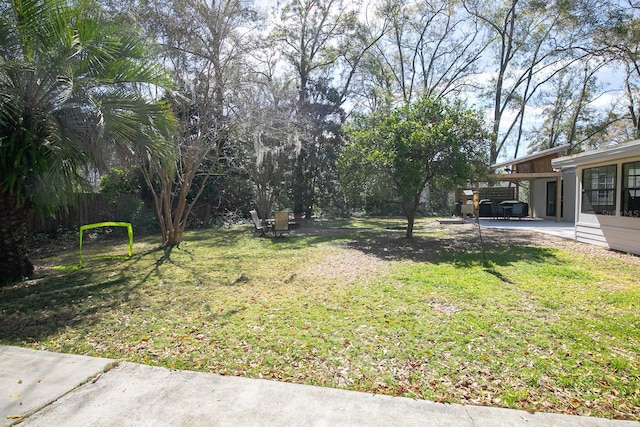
545	184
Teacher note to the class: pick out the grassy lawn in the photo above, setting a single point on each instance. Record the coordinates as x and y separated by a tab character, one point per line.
536	323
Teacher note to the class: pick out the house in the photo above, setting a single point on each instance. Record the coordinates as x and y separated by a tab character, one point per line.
548	188
607	196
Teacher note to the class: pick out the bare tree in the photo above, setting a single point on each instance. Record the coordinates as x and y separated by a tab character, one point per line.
568	113
533	41
430	48
618	39
204	46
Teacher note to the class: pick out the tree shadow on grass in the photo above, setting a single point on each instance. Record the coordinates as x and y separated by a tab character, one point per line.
220	237
35	309
32	310
462	248
66	295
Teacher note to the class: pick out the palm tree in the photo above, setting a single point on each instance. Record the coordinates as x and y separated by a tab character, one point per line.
74	88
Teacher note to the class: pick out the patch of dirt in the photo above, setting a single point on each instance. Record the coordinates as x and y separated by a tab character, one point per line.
347	267
444	308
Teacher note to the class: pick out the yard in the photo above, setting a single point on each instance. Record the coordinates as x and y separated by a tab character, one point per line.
536	322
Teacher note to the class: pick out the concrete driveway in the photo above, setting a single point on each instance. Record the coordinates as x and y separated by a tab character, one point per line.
41	388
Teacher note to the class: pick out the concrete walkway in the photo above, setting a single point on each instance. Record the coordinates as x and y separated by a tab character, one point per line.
560	229
39	388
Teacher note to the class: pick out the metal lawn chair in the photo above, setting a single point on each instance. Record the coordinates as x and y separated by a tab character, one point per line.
258	223
281	224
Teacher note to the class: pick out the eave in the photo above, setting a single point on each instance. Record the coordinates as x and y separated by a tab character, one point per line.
524	176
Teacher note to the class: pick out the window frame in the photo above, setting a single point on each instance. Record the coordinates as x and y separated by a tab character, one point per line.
627	187
599	190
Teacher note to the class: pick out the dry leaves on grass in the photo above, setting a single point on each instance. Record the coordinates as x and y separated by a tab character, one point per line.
345	267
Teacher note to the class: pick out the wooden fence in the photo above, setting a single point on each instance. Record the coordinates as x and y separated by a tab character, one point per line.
92	208
89	209
496	194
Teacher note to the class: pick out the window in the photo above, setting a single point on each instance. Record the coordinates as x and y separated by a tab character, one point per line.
631	189
599	190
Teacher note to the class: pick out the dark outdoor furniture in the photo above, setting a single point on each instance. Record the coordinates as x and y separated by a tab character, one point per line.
514	208
498	210
520	210
485	208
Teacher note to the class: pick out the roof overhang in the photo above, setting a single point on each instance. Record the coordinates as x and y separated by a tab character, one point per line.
609	153
523	176
539	154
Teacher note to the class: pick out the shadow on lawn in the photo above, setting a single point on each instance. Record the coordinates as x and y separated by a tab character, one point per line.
462	248
220	237
35	309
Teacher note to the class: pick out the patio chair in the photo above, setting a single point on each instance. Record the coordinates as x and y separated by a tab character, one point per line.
498	210
258	223
520	210
281	224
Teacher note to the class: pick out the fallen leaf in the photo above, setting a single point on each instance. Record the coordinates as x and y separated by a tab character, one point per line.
16	395
14	416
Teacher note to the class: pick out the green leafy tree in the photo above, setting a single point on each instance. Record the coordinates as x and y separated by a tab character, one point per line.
429	143
70	96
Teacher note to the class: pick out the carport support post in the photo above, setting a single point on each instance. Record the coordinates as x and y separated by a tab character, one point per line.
532	201
476	205
476	214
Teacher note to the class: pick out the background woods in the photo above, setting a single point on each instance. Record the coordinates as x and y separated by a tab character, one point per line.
242	104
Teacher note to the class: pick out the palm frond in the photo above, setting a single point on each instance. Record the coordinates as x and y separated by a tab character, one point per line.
71	85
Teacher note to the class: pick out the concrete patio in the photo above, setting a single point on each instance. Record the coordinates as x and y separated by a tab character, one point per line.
561	229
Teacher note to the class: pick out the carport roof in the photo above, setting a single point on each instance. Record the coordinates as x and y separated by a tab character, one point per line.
541	158
531	157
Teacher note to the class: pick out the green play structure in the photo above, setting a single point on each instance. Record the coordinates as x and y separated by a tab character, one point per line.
107	224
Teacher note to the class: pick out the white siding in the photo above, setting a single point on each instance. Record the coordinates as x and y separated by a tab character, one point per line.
613	232
569	184
588	233
569	192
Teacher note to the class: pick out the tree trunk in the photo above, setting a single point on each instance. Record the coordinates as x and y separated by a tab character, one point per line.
410	221
14	262
409	209
299	187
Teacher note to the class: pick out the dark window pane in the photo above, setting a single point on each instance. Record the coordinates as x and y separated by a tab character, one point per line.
599	190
